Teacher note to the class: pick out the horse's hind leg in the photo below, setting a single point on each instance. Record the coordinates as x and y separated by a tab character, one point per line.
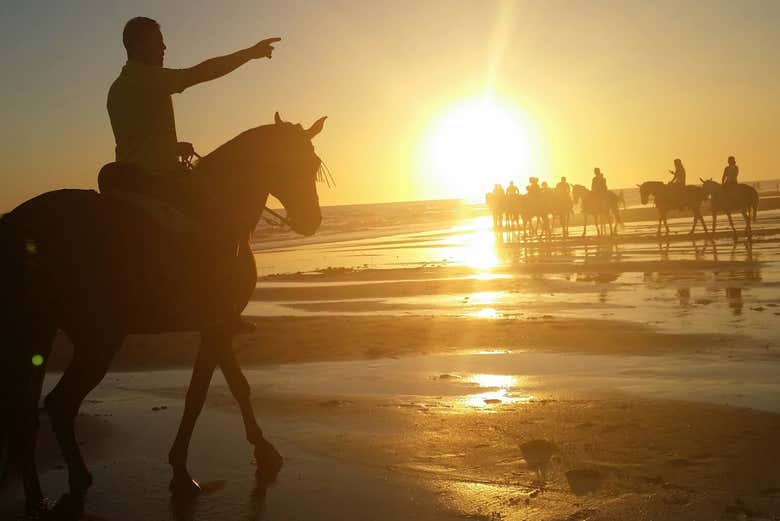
748	227
26	433
731	223
92	356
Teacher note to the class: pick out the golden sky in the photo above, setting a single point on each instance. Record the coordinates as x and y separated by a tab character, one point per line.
626	86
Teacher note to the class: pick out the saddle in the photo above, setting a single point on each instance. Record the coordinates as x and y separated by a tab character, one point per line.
159	197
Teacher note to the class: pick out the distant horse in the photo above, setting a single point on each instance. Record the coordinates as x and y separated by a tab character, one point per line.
561	205
603	208
496	203
535	212
670	197
742	198
512	210
99	267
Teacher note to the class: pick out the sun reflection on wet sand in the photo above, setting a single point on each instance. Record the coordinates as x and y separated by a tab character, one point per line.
501	392
477	250
486	313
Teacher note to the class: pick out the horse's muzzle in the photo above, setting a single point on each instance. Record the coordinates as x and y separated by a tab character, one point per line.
307	226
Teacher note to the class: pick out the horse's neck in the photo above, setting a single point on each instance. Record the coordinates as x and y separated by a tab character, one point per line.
229	194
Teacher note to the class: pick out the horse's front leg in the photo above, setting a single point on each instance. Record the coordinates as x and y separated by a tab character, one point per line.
268	459
182	484
731	223
584	224
703	224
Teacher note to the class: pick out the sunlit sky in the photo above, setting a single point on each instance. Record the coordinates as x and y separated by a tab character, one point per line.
626	86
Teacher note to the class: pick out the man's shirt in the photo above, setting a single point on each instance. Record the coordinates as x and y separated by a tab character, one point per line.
141	111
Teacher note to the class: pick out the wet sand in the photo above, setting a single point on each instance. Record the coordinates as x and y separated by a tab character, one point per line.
402	375
401	456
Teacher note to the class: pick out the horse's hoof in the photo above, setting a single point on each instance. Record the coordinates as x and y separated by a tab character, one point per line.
269	461
68	507
184	487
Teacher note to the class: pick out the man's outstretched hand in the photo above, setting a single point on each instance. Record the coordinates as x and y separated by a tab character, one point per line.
264	48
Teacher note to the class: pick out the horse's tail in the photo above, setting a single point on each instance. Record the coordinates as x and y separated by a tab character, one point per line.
616	211
754	206
15	371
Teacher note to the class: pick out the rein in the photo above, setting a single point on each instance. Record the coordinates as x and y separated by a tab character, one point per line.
280	219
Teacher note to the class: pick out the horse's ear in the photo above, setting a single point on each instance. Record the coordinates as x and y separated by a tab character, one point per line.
702	180
277	118
316	128
639	186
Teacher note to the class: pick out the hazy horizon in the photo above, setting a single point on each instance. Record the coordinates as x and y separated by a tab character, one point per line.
626	86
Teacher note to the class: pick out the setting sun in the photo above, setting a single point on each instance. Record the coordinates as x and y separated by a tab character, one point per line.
477	144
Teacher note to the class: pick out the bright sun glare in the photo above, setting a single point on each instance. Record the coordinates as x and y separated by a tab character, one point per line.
477	144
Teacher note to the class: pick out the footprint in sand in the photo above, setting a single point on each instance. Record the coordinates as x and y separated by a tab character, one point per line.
537	455
584	481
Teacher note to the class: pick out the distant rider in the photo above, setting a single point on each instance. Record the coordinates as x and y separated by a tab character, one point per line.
563	186
533	186
678	174
599	182
730	173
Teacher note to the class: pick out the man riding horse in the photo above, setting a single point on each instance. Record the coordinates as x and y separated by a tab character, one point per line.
141	112
98	289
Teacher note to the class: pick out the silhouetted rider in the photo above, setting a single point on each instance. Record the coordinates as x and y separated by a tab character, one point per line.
139	101
563	186
730	173
599	182
512	189
678	174
533	186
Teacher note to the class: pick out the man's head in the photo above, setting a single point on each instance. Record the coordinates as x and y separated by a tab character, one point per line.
563	179
144	41
732	161
597	171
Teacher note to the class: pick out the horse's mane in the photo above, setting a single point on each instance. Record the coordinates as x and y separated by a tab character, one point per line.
223	156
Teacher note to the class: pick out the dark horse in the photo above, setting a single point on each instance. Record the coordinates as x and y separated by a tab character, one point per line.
737	198
603	206
670	197
99	268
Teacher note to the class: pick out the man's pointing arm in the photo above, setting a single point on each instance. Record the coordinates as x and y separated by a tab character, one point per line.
217	67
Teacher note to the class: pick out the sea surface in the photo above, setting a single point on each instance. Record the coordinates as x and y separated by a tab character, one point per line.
686	284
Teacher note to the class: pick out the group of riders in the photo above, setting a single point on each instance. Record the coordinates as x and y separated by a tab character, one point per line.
506	204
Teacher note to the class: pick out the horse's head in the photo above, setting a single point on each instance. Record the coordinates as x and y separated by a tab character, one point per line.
644	192
289	155
577	191
709	186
